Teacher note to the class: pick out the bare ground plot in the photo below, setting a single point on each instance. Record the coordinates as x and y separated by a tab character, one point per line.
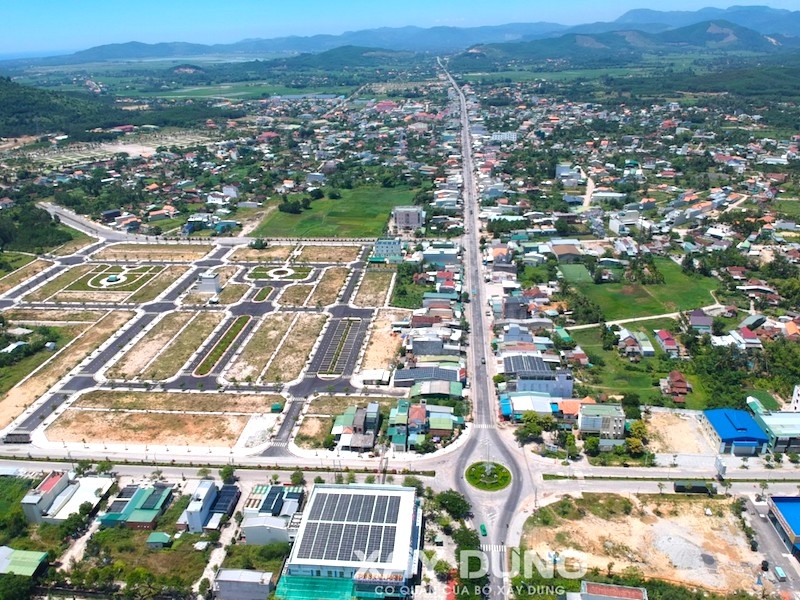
383	344
26	272
232	293
32	315
170	429
88	297
374	287
676	433
58	283
294	353
312	431
134	252
158	284
329	254
226	272
259	349
295	295
193	401
270	254
333	405
24	394
683	544
136	359
327	289
175	355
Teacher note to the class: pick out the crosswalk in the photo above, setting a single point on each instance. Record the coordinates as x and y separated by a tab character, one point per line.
280	444
493	547
483	426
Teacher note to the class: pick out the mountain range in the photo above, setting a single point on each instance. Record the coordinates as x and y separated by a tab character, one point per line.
778	24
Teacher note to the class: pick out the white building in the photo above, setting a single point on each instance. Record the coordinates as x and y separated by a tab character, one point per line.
208	283
200	505
408	217
242	584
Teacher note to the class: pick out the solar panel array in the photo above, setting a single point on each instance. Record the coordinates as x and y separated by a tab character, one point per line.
350	527
226	500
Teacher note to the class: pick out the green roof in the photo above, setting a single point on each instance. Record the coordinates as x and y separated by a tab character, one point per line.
440	423
158	537
295	587
20	562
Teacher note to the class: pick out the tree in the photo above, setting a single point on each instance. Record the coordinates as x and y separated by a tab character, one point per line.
414	482
319	479
442	569
634	446
205	586
15	587
104	466
82	467
718	326
638	430
204	472
591	446
297	477
228	474
454	504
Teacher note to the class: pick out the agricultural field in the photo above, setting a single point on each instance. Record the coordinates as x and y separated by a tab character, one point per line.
373	288
688	540
146	252
146	351
359	213
181	348
256	354
293	354
625	300
329	285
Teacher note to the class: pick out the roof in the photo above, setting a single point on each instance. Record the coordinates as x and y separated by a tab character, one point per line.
607	590
158	537
50	482
734	425
20	562
789	509
598	410
368	527
243	576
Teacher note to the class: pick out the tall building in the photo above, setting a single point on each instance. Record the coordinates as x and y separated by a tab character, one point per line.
355	542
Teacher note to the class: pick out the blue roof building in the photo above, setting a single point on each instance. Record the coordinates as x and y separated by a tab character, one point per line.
734	431
784	514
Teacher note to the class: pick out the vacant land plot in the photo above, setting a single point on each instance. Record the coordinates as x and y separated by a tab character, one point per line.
216	352
16	277
145	252
329	254
328	288
676	433
169	429
312	432
679	292
374	287
58	283
295	295
359	213
24	394
292	356
664	536
35	315
232	293
576	273
332	405
383	344
192	401
134	361
253	359
175	354
158	284
269	254
12	374
79	240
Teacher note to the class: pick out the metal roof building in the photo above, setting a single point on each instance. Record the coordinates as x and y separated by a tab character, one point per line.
784	513
21	562
734	431
355	541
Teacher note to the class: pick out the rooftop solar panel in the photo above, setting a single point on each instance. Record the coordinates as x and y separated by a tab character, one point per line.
335	540
341	507
323	532
308	540
117	506
366	509
360	545
151	501
330	507
355	508
128	491
374	544
393	510
317	506
387	547
381	502
348	539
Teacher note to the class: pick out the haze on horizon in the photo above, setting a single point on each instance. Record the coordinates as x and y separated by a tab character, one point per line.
48	27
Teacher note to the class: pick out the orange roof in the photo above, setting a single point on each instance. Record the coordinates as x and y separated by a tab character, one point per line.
792	328
572	406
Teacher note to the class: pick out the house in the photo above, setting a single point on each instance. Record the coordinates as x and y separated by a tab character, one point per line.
676	386
158	540
24	563
700	321
604	420
667	343
408	217
60	495
242	584
606	591
138	507
567	253
197	513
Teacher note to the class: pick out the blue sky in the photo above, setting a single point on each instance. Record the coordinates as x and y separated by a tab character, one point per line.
55	26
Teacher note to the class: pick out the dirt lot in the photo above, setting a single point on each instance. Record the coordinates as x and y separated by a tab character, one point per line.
676	433
295	295
293	354
682	544
22	315
174	355
382	346
136	359
17	398
170	429
328	288
145	252
312	431
374	287
232	293
335	405
329	254
270	254
259	349
158	284
196	402
90	297
14	278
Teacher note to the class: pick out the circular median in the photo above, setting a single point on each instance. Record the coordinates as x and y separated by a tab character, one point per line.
488	476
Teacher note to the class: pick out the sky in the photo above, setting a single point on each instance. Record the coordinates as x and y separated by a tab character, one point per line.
48	27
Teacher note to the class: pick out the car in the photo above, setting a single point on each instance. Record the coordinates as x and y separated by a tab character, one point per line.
483	361
483	530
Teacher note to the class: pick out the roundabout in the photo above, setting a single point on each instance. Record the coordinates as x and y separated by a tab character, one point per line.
488	476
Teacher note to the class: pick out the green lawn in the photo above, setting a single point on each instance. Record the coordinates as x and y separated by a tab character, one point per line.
765	397
11	261
626	300
360	213
790	208
576	273
13	374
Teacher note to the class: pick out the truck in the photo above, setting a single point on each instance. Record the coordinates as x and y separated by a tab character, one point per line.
695	487
780	574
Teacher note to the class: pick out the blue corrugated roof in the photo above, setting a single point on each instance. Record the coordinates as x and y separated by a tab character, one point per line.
789	507
735	425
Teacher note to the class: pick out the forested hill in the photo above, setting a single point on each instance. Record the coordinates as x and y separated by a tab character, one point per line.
30	111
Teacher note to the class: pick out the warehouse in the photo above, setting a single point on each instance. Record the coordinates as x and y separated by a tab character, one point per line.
734	432
784	514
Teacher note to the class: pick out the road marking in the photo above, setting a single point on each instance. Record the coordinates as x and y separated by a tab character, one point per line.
483	426
493	547
280	444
